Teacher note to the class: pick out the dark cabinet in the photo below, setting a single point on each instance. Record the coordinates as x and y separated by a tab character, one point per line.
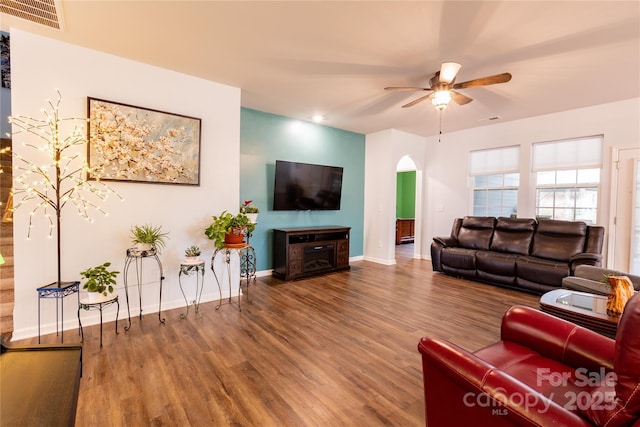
302	252
405	230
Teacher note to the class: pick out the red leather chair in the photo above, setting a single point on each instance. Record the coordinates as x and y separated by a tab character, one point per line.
543	372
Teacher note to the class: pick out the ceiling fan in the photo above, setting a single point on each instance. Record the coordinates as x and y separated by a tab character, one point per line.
443	87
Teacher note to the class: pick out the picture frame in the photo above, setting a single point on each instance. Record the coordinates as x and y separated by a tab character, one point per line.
136	144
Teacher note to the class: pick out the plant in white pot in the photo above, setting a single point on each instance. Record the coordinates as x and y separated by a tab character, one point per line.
250	210
148	237
99	281
192	253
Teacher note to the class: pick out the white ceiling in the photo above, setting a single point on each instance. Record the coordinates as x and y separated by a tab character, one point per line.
301	58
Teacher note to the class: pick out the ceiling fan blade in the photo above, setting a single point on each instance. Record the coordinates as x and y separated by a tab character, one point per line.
459	98
448	72
484	81
416	101
405	88
435	80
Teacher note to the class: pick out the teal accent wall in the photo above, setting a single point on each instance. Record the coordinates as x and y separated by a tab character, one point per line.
265	138
406	194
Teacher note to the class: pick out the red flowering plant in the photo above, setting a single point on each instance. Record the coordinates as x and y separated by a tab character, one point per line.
247	207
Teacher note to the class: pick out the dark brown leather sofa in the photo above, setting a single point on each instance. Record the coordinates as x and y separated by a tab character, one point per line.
518	252
544	371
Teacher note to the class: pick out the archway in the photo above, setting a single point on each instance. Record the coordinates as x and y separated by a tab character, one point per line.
408	218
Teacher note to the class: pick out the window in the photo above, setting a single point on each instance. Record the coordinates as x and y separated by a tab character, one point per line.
496	195
567	177
495	180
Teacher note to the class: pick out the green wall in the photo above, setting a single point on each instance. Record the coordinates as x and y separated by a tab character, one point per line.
265	138
406	194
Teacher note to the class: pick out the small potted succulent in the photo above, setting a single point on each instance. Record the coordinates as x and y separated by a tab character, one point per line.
99	281
148	237
192	253
250	210
228	229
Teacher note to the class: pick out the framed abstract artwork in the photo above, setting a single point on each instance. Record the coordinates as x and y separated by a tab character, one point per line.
134	144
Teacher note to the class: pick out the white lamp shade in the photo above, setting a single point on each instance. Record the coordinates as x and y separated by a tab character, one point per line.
448	71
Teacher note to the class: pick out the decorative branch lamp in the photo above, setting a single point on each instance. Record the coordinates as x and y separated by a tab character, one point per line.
50	187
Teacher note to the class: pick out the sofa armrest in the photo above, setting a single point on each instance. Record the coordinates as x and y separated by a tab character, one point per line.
581	284
557	339
436	250
585	258
446	241
597	274
458	385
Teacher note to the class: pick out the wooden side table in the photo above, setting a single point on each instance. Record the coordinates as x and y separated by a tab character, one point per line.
99	304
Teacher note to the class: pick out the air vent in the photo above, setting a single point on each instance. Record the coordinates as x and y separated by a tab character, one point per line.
490	119
43	12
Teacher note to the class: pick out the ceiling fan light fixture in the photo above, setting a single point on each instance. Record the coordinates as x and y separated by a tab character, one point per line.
441	99
448	71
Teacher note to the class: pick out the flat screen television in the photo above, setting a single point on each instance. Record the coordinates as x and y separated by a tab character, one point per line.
304	186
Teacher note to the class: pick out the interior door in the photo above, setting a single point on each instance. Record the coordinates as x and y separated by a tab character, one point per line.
626	245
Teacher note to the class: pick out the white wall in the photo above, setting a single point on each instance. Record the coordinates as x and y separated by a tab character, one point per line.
383	151
38	66
446	165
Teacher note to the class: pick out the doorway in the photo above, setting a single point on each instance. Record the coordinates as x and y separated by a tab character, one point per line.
406	194
625	247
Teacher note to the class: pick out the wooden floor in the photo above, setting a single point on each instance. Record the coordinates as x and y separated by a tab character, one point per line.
335	350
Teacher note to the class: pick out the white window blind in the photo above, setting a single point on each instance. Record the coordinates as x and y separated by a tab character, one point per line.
568	154
494	160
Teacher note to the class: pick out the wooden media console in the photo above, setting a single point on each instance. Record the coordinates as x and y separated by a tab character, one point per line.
302	252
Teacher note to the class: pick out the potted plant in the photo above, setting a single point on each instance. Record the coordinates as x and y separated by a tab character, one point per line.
229	229
99	281
192	253
250	210
147	237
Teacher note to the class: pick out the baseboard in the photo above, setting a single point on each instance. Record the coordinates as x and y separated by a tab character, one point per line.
380	261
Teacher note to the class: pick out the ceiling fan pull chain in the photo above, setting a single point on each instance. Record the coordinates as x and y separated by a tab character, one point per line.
440	134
